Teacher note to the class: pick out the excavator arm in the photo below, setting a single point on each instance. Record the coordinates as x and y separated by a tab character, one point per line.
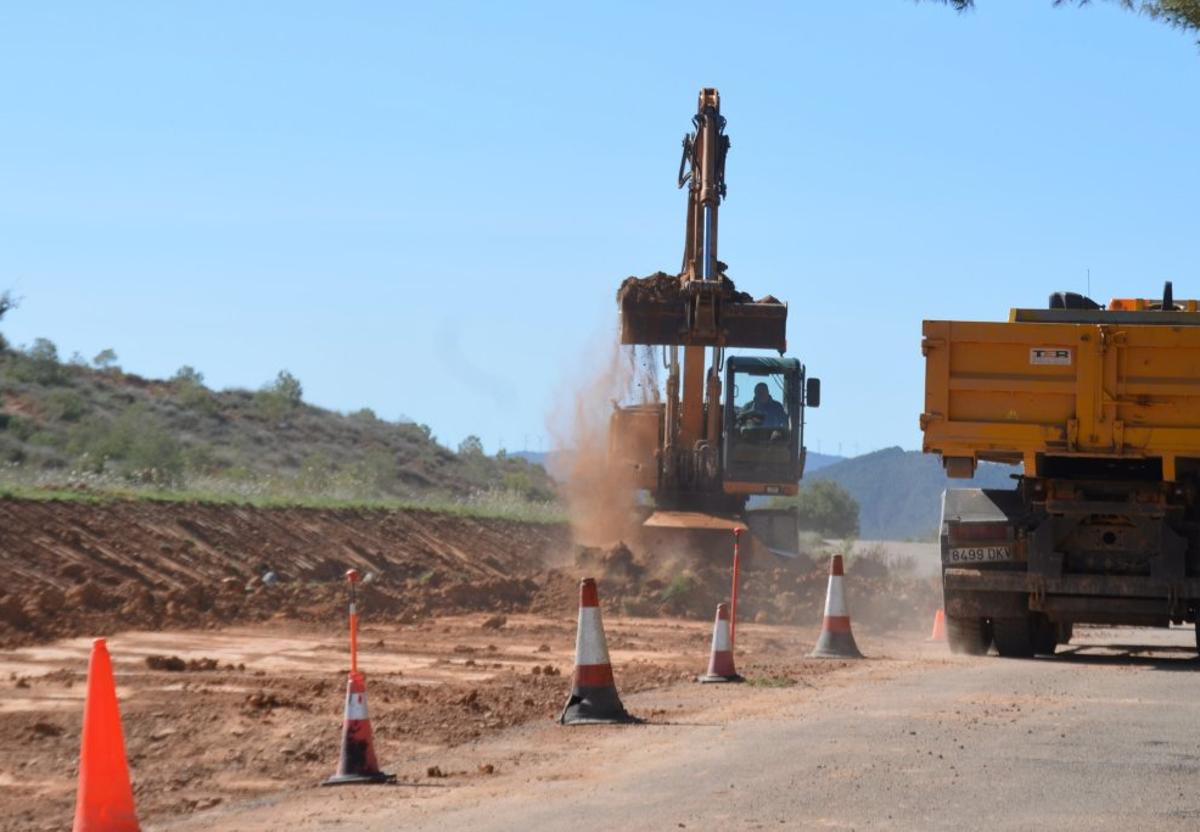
700	307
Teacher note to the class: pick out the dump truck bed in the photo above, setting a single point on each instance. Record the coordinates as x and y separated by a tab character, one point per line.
1063	383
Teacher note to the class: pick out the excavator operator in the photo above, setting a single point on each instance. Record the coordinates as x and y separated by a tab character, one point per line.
763	411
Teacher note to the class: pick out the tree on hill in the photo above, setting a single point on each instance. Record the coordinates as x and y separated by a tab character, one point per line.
106	361
7	304
277	399
471	446
188	375
825	507
1179	14
288	388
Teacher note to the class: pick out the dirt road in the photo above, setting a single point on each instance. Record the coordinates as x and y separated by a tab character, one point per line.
1103	737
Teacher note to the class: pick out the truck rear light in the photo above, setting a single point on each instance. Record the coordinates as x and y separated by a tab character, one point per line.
978	532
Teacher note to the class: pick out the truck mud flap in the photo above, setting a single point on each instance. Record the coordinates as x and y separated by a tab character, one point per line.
985	604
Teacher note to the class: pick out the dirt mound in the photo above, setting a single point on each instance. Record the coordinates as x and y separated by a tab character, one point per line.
73	567
772	591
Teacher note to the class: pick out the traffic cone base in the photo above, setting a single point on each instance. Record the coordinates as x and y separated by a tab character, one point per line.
358	764
358	779
836	640
594	699
720	662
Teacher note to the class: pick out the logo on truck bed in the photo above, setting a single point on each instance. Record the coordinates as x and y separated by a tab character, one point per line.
1050	355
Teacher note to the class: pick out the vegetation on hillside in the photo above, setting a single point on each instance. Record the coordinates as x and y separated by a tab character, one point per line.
88	425
900	492
824	507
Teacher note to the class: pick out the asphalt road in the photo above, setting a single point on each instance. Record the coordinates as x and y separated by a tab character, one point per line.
1097	738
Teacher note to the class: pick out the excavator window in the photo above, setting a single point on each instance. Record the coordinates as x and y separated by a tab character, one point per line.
763	421
761	415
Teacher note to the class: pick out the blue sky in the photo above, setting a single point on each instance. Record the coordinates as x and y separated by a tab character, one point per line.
426	209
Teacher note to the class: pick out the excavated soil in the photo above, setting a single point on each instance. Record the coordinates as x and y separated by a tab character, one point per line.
661	287
232	686
71	568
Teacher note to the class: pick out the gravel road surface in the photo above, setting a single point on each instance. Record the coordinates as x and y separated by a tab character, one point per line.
1104	736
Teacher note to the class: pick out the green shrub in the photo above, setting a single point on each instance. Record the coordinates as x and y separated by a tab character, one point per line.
106	361
277	399
39	364
65	406
20	428
188	375
133	444
472	446
680	588
823	506
197	398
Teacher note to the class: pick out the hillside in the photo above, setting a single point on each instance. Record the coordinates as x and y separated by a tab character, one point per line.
814	461
899	492
79	425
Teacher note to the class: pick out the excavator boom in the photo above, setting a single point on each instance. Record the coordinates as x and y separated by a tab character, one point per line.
700	307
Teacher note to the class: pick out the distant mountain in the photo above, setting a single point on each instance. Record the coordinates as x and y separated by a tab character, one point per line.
899	492
814	461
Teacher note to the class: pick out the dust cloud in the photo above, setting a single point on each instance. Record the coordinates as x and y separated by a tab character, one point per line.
601	498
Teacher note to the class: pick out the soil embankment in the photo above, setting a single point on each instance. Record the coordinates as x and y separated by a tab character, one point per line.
71	567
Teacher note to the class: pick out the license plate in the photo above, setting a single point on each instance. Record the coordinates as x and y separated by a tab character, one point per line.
976	554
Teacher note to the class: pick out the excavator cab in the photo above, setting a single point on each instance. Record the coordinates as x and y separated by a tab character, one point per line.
763	436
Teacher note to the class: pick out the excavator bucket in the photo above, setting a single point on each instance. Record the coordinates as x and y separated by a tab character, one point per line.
768	531
665	309
698	520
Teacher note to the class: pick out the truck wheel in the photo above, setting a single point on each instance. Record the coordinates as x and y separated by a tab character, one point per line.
1066	632
1045	635
968	636
1014	637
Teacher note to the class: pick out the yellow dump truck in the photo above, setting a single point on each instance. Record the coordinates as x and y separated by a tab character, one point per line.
1101	407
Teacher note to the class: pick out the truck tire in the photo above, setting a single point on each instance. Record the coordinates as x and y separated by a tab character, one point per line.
1066	632
1014	637
968	636
1045	635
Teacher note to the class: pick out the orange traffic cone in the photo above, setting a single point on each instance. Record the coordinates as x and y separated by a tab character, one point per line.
939	626
594	696
720	662
836	640
358	763
104	801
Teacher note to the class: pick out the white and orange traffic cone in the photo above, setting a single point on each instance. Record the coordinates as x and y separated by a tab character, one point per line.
836	640
594	696
357	763
720	662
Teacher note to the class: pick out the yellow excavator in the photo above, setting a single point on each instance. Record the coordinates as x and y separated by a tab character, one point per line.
728	427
